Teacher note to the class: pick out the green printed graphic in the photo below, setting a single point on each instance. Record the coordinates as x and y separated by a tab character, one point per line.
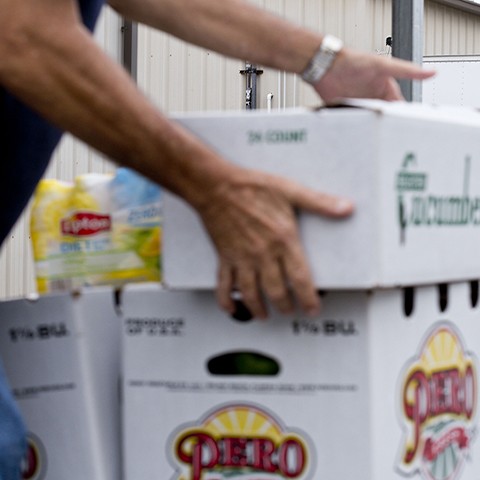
419	208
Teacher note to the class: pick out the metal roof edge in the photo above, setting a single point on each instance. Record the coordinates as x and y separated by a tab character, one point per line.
465	5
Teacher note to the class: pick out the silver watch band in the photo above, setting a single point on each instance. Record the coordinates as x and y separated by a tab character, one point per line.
323	59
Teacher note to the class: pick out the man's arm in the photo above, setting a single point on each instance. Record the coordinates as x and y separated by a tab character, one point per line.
49	60
235	28
239	29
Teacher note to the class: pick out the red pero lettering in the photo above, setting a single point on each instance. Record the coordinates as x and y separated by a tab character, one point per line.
202	451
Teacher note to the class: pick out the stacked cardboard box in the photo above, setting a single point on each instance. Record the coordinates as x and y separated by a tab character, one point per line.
62	357
412	170
362	391
383	383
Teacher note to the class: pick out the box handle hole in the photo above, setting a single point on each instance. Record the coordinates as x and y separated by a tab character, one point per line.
243	363
443	296
474	293
408	301
241	312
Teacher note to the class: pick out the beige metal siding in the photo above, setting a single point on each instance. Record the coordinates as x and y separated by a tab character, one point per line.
179	77
450	32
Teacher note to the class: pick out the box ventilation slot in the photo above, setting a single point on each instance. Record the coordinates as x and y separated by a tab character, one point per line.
243	363
408	301
443	296
474	293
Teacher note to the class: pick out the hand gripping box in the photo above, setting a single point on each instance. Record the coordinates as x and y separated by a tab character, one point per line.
62	357
413	172
381	385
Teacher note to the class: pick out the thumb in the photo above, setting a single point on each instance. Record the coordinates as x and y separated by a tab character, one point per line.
317	202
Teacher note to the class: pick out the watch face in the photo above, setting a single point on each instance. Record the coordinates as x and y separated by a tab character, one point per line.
332	43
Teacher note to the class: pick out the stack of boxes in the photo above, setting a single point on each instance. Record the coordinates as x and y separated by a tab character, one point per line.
382	384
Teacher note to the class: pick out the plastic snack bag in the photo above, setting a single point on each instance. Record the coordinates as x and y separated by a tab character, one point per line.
100	230
136	232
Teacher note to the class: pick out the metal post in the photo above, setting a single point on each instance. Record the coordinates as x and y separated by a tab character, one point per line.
251	72
407	41
129	47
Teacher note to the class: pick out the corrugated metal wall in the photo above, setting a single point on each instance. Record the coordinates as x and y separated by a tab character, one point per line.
450	32
179	77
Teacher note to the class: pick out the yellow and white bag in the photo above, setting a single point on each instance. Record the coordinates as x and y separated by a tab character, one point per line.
100	230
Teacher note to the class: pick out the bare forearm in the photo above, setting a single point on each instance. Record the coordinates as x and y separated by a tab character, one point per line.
79	89
231	27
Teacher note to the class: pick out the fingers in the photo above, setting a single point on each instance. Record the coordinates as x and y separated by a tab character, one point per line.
243	280
252	283
363	75
278	287
300	280
274	282
284	282
246	281
398	68
317	202
225	288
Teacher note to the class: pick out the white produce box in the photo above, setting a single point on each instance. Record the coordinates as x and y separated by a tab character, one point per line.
379	386
412	170
62	357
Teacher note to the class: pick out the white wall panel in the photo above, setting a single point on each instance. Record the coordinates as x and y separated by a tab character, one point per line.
179	77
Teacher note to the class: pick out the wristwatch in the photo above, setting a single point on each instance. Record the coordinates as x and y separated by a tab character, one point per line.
323	59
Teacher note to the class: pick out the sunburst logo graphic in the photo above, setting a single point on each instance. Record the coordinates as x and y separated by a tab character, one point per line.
439	403
239	441
35	461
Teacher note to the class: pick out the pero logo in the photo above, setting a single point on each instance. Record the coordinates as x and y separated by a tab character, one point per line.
34	464
82	224
240	440
439	403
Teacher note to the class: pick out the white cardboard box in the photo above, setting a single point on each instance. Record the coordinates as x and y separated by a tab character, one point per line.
62	357
413	172
364	391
